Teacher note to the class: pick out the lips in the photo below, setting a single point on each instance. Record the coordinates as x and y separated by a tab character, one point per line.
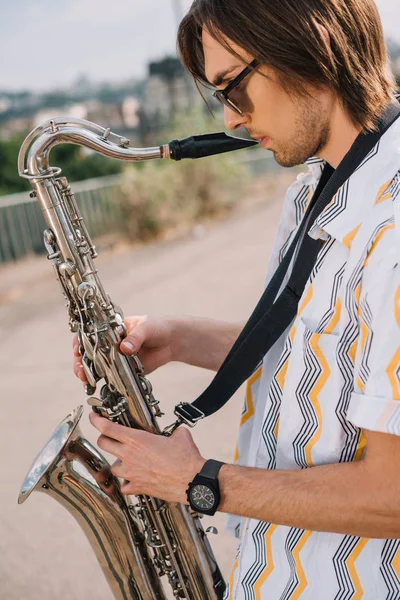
264	140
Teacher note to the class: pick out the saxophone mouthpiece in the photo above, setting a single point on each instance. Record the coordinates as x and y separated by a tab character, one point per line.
208	144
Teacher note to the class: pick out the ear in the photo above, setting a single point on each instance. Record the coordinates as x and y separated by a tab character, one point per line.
324	35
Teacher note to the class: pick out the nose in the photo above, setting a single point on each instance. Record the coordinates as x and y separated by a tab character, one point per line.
232	119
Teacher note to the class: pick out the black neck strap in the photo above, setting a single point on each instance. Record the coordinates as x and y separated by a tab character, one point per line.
274	313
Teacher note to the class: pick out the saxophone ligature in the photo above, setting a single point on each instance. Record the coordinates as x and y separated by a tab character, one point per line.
141	539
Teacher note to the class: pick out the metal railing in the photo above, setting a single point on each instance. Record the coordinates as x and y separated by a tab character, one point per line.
22	223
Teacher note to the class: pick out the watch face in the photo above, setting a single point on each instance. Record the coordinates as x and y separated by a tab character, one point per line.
202	497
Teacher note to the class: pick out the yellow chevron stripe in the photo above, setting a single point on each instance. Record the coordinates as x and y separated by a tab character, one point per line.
232	579
249	412
397	305
306	299
358	591
361	447
394	363
391	373
281	375
268	561
360	384
377	240
357	294
321	380
381	196
276	428
353	350
348	239
364	334
396	563
299	569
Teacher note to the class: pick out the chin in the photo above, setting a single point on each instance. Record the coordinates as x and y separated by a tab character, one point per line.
287	161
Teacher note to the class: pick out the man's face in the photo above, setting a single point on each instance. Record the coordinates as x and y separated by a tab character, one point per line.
293	127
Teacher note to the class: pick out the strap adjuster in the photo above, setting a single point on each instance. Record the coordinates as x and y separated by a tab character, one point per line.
188	413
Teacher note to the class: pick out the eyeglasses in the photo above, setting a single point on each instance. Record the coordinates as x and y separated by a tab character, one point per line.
223	95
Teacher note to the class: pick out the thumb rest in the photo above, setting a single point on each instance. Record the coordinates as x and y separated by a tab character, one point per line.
135	543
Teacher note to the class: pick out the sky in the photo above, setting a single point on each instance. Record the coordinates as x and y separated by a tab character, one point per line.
46	44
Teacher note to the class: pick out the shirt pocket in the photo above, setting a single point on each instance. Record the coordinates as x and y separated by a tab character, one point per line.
315	435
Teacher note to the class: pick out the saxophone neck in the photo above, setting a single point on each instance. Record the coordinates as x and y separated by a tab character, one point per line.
33	159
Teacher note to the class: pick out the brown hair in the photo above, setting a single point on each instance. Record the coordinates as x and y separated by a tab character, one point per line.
286	36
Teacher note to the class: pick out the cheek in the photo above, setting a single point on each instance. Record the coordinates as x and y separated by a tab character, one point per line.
274	111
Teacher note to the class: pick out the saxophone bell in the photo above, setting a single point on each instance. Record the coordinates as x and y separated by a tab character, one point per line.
75	474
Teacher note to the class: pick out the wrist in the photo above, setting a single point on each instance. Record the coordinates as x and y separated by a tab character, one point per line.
203	493
179	328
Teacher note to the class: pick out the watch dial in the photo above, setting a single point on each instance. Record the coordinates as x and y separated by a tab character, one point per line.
202	497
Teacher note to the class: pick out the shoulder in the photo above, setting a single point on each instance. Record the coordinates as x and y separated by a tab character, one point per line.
378	245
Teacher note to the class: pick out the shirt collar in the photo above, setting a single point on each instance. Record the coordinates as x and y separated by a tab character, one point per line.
366	187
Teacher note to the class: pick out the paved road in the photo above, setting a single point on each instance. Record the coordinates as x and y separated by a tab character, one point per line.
219	274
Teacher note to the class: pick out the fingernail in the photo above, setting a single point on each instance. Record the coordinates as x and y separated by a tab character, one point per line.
128	347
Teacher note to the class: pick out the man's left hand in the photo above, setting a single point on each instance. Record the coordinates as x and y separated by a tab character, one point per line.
150	464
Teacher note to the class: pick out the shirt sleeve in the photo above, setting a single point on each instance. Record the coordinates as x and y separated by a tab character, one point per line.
375	401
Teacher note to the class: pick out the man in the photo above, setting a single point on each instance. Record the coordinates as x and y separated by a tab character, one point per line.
318	488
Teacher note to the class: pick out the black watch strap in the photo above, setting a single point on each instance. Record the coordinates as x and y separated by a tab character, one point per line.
211	468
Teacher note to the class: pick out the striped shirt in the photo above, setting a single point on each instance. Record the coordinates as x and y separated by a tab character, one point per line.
333	373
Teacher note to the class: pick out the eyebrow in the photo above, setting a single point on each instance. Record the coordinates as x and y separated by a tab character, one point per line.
220	77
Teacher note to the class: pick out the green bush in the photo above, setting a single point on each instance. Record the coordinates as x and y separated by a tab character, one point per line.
164	196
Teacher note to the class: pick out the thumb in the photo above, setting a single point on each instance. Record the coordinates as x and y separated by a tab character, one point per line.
134	340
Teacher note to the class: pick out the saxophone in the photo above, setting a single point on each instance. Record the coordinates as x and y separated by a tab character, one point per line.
139	540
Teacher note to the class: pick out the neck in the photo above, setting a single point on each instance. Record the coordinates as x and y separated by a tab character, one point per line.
343	133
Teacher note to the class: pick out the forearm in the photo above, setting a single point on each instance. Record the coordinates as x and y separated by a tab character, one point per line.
203	342
340	498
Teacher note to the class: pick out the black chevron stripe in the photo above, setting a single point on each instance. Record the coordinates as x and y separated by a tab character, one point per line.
308	380
299	202
275	397
390	577
337	282
259	563
292	539
346	588
395	186
337	207
346	366
370	155
393	425
326	248
367	317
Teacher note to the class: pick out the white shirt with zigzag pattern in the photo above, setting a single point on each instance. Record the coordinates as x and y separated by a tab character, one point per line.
335	372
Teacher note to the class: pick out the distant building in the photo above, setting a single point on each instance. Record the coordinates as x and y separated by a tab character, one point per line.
168	90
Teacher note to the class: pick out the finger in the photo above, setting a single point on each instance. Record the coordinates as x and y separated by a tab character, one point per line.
110	429
112	446
134	339
75	346
79	370
128	488
118	469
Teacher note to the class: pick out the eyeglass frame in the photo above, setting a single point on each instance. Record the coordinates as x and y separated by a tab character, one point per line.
223	95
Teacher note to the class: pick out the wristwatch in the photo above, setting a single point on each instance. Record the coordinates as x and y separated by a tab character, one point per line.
203	492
